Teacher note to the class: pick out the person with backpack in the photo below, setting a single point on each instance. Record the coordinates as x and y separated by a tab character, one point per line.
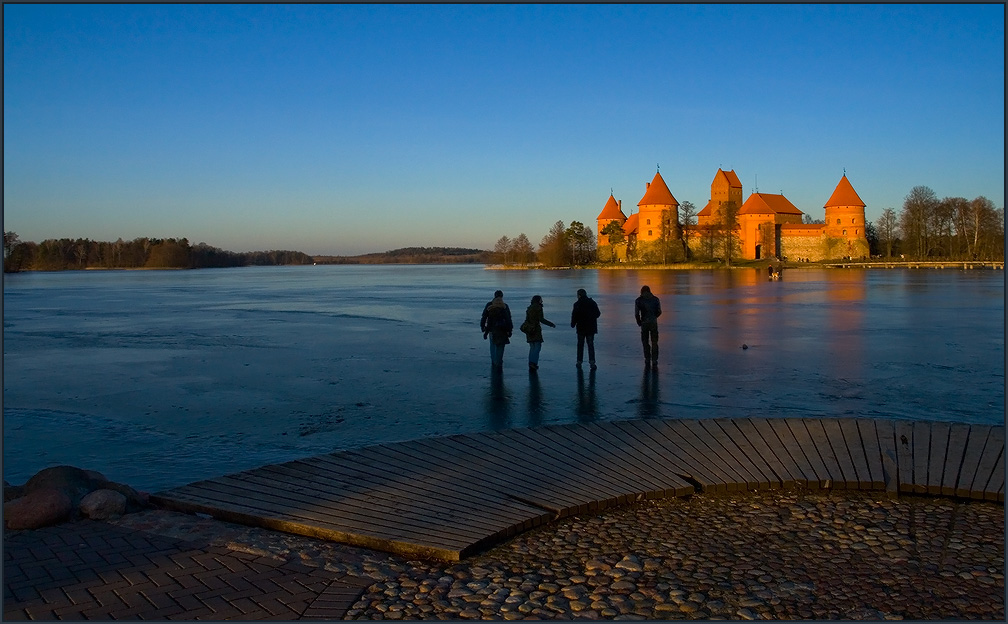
532	328
584	319
497	326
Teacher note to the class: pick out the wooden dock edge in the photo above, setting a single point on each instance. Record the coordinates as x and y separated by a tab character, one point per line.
571	469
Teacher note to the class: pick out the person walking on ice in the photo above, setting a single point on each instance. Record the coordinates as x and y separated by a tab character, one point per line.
496	324
584	318
647	309
532	328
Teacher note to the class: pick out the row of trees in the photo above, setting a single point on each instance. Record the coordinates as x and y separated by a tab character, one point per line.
148	253
952	228
574	245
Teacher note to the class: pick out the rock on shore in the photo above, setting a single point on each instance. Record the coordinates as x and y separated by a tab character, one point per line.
61	493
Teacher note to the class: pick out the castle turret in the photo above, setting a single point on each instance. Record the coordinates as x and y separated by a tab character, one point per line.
612	211
657	199
845	218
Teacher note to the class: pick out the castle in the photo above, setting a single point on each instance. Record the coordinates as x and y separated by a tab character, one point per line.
766	226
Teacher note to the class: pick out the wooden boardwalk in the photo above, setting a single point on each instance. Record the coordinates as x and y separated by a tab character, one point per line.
447	498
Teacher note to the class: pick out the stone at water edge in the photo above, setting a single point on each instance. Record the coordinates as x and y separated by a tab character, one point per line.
103	505
40	508
74	482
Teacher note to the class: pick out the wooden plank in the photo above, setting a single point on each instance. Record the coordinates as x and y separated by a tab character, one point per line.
655	458
822	447
507	479
231	497
716	451
667	454
700	455
904	442
872	452
975	444
989	466
553	447
761	477
390	470
551	460
856	448
921	455
472	478
389	475
325	489
749	440
801	434
226	508
839	466
937	456
620	470
406	517
646	463
564	491
684	455
778	435
299	487
886	437
958	434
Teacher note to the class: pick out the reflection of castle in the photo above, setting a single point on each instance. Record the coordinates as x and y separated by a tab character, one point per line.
766	225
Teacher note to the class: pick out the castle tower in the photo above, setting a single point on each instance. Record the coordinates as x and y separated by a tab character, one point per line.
725	187
845	218
613	211
657	199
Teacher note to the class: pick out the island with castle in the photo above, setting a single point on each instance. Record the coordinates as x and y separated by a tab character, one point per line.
765	227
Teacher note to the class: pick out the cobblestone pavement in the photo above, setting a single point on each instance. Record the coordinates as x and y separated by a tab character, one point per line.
766	555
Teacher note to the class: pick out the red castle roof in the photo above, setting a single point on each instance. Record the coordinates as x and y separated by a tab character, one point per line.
768	203
844	195
611	211
658	194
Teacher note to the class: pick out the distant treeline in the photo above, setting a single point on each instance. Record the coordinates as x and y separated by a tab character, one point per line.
141	253
414	255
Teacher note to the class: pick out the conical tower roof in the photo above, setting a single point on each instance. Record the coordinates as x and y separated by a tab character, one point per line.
658	194
611	210
844	195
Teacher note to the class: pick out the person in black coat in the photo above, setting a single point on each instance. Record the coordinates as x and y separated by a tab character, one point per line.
647	309
497	325
584	318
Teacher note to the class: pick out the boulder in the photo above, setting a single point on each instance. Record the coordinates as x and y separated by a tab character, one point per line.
39	508
103	504
10	492
72	481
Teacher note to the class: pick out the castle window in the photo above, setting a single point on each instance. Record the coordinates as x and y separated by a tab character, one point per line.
649	221
838	221
649	232
845	232
852	221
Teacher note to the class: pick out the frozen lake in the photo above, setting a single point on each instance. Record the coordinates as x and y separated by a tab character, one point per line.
161	378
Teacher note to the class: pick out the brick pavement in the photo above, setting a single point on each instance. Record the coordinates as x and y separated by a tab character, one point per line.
95	570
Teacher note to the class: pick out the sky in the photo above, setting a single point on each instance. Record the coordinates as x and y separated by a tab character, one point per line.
347	129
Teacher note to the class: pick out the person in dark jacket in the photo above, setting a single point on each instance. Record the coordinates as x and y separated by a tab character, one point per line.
584	318
532	327
647	309
496	324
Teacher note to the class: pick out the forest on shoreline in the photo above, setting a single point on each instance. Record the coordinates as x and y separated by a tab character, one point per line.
67	254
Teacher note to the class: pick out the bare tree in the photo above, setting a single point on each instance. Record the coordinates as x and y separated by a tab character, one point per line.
887	230
917	217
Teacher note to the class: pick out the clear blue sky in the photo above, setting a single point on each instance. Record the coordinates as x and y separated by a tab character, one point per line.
342	129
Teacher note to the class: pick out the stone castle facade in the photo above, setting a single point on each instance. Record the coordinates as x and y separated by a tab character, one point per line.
766	226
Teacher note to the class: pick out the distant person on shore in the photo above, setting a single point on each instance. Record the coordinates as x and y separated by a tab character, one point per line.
532	328
647	309
496	324
584	318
